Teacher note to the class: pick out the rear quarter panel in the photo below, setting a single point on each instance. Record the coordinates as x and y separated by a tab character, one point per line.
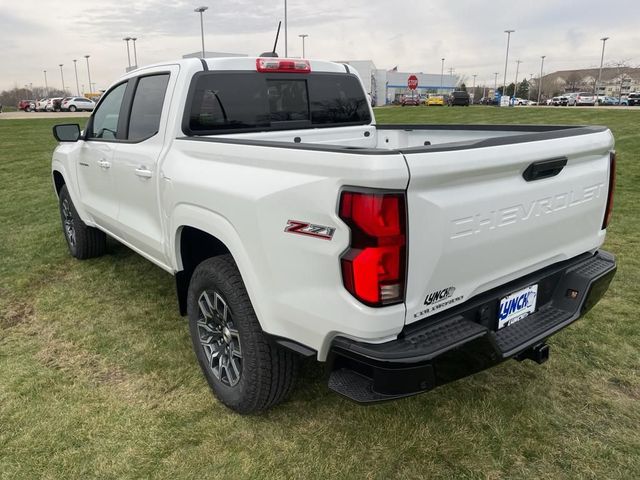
246	194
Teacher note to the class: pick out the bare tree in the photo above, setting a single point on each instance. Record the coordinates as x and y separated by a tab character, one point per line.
621	67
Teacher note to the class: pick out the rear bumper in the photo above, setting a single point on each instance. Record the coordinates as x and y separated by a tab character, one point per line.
464	340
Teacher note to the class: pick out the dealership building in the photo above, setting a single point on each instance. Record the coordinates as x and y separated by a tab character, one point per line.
387	86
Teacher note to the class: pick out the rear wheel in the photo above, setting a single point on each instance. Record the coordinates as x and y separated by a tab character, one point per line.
245	370
83	241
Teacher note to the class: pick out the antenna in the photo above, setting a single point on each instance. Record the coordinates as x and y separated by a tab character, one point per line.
275	44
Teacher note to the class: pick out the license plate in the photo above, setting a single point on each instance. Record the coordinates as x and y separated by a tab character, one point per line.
516	306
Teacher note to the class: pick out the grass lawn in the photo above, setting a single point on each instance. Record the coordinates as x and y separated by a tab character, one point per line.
98	380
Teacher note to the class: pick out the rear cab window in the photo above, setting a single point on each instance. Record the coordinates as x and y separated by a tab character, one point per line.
248	101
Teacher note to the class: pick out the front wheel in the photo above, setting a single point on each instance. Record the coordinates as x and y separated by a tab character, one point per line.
83	241
246	371
72	108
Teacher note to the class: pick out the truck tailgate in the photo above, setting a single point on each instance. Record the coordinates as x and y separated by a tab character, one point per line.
475	222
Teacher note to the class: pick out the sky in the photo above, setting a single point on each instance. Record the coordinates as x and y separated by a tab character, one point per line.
39	35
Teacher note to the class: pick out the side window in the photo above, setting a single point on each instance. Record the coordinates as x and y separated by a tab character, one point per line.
147	106
105	118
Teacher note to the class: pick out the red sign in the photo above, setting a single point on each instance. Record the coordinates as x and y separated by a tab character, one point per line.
412	83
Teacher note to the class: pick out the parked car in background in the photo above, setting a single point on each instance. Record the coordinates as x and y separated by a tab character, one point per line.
520	101
41	105
560	101
410	100
459	98
73	104
488	101
581	98
631	99
26	105
607	100
435	100
53	104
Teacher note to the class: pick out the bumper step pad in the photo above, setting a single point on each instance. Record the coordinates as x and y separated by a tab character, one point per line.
432	354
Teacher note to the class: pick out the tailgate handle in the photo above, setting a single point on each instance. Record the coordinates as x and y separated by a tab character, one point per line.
544	169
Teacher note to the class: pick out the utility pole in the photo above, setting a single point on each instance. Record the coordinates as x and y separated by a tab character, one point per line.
75	69
506	61
135	54
495	83
603	39
515	83
62	77
201	10
126	39
286	38
88	72
529	89
46	87
442	74
540	81
303	36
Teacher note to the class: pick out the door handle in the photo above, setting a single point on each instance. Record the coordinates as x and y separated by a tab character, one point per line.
143	172
104	164
544	169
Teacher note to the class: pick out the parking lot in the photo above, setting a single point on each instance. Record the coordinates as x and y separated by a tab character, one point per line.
31	115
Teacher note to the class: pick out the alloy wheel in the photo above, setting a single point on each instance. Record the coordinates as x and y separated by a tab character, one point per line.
219	338
69	229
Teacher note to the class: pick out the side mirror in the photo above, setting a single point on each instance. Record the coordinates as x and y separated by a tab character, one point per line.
69	132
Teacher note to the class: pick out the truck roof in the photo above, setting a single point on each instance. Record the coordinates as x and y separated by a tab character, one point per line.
246	63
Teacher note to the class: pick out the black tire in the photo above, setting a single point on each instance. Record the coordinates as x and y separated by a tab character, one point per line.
267	371
83	241
72	108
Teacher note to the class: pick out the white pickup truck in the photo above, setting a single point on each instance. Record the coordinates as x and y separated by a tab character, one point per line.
402	256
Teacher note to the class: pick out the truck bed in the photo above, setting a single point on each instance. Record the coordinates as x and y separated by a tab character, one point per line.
405	138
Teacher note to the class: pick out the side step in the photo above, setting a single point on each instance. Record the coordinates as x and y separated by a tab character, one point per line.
357	387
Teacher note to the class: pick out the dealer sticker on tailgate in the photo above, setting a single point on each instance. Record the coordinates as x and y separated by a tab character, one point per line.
518	305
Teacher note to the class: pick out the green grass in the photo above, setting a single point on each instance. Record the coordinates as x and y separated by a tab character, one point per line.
97	377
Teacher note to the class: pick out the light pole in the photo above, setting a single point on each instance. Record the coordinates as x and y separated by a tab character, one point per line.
62	77
88	73
201	10
506	60
126	39
46	87
603	39
75	69
303	36
135	54
515	83
442	73
286	39
540	80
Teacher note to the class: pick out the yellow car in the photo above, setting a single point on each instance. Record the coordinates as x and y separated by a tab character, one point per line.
435	100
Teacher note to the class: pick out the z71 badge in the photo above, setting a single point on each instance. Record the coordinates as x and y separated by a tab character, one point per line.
309	229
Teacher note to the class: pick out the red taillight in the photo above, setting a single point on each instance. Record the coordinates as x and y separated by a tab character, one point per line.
612	187
373	268
282	65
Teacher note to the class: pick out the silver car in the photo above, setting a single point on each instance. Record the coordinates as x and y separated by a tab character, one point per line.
582	98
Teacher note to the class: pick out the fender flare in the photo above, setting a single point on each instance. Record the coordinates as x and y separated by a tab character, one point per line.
72	187
216	225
